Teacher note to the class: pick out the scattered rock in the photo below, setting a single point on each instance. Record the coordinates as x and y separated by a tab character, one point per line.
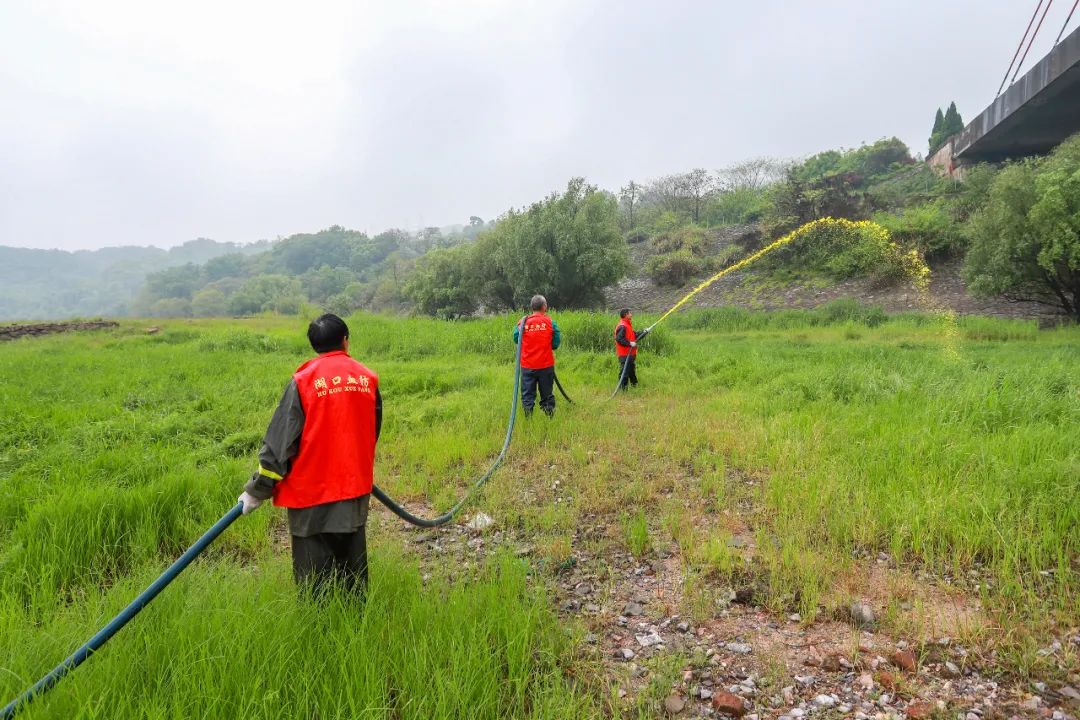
920	711
649	639
728	703
739	648
950	670
480	521
674	704
625	653
831	663
886	680
825	701
745	595
861	614
865	682
632	609
683	627
583	589
903	659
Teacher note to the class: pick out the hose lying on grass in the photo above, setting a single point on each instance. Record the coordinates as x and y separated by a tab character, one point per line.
408	517
93	644
76	658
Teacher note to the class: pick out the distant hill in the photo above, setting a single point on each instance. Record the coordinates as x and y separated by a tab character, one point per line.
52	284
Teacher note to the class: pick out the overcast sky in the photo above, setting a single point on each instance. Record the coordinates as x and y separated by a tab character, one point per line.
154	123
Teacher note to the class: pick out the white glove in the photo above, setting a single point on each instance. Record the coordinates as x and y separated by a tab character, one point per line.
633	344
250	502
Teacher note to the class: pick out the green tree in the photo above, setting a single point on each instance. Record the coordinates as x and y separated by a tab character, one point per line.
929	227
231	265
266	293
175	282
567	247
355	295
1025	243
333	246
935	133
673	268
324	282
444	283
696	187
630	199
209	302
945	126
952	122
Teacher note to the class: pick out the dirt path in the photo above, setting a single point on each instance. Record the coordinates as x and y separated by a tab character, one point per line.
740	659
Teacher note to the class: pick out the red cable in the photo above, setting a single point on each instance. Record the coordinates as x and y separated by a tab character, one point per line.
1066	23
1032	41
1015	54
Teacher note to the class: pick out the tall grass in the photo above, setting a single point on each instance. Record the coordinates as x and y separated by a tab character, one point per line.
861	434
232	641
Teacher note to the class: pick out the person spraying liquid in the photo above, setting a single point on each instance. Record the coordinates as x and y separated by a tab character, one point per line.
626	341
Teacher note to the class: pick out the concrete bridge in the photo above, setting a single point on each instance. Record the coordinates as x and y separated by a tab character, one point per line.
1033	116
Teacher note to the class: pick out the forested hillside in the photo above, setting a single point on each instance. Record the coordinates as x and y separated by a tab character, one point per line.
1014	228
46	284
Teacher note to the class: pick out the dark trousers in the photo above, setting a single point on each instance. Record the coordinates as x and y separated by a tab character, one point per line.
544	378
631	372
325	559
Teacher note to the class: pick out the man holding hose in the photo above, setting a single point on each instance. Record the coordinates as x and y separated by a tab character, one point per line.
540	337
626	348
317	460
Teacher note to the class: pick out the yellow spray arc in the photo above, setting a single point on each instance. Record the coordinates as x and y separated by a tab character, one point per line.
910	262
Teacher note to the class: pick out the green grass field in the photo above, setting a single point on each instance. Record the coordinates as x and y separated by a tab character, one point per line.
955	448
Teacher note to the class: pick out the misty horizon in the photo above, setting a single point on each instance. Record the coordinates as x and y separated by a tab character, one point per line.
148	126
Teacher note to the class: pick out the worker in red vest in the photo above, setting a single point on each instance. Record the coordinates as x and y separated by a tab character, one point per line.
539	339
317	459
626	348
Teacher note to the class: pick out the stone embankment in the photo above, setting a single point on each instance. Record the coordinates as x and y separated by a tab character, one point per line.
13	332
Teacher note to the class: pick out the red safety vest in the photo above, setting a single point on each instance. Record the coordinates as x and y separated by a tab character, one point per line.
536	352
623	350
337	447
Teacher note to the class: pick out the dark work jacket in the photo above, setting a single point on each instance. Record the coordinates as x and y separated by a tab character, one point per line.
280	445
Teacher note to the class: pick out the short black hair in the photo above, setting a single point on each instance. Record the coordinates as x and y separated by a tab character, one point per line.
624	312
327	333
537	303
